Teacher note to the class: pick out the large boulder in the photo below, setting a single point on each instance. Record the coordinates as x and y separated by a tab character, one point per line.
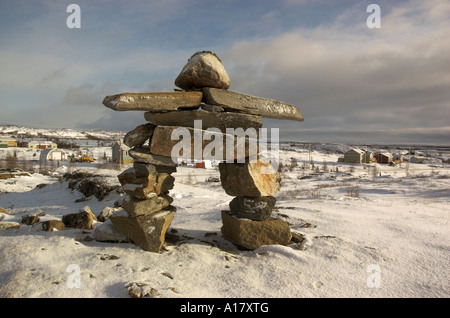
136	207
253	234
203	69
145	187
146	231
139	135
256	209
191	143
249	179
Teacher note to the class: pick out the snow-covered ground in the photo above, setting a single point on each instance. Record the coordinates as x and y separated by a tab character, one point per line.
368	233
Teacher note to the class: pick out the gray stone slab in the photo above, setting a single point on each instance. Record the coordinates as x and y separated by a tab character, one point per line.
154	102
250	104
220	120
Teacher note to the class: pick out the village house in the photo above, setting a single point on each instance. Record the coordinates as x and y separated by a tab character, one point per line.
42	145
120	153
7	142
53	154
356	155
383	157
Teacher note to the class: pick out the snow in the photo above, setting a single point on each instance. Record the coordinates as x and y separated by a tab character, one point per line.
365	235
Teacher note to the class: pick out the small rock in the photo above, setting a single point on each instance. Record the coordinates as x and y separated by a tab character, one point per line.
106	232
30	219
140	290
52	225
80	220
2	210
9	225
106	213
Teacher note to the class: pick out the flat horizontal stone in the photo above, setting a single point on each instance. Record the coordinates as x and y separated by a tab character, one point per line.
136	207
210	145
219	120
253	234
250	104
143	155
154	102
142	170
249	179
9	225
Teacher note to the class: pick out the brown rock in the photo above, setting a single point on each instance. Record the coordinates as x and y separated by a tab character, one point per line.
139	135
146	231
211	145
203	69
249	179
154	102
145	187
136	207
52	225
219	120
253	234
250	104
145	169
80	220
2	210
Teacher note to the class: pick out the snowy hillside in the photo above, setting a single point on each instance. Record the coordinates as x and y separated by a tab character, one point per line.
22	132
367	232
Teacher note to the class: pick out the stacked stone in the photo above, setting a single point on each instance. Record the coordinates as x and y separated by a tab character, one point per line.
204	96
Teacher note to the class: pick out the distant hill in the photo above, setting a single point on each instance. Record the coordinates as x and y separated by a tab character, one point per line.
21	132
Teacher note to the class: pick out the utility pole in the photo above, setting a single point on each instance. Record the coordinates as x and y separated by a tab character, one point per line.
120	151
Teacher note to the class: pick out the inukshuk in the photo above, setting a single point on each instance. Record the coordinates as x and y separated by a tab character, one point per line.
204	98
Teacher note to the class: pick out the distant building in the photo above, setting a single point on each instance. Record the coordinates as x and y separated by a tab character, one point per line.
354	155
119	154
397	158
42	145
7	142
383	157
53	154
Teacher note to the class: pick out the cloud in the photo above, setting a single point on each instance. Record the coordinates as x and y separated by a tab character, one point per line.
351	78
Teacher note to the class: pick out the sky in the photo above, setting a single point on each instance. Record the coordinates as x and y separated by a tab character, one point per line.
352	83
